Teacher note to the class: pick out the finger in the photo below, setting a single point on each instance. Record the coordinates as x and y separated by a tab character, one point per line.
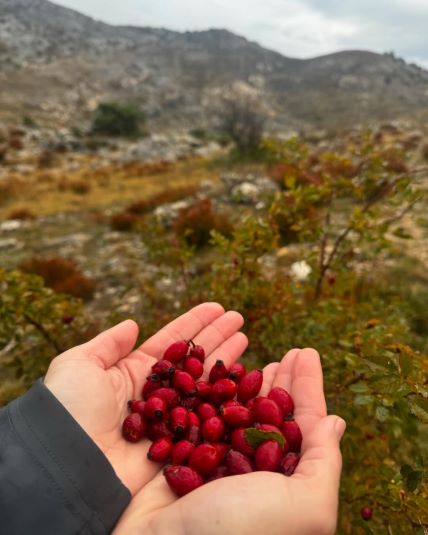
111	345
285	370
219	331
269	373
307	390
322	458
186	326
229	351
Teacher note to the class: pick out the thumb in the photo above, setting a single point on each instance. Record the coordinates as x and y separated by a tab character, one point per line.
321	456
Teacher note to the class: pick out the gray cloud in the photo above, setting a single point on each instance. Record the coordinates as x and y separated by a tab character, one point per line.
296	28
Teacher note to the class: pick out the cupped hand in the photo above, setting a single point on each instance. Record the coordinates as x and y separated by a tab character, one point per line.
259	502
94	381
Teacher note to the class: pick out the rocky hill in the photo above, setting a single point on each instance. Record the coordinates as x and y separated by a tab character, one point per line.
56	65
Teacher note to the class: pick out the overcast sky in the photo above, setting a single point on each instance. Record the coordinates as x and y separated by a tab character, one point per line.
296	28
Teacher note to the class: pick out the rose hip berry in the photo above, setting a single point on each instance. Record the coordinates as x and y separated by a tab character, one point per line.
239	442
222	450
219	472
206	410
179	419
222	390
176	351
237	416
170	396
213	429
203	389
194	430
218	371
136	405
289	463
133	427
237	463
158	429
237	372
197	352
164	368
191	403
184	382
293	435
266	411
182	479
283	399
160	450
155	408
194	367
366	513
250	385
204	459
268	456
153	383
181	451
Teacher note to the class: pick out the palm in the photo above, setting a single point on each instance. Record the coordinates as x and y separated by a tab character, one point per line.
94	381
259	502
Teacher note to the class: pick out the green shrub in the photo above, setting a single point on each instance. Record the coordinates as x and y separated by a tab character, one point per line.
117	120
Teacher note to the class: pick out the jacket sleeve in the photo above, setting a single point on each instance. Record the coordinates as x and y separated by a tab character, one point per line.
53	477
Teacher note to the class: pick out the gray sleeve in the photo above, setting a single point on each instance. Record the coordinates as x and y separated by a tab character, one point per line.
53	478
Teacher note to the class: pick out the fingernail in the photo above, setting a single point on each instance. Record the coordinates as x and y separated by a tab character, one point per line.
339	427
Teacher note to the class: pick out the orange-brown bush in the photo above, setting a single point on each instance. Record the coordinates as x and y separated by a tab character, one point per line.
169	195
23	213
61	275
123	222
196	222
16	143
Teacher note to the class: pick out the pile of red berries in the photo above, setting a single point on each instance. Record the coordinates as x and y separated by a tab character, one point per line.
215	428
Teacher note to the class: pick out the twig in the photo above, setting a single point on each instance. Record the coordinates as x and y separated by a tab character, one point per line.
58	349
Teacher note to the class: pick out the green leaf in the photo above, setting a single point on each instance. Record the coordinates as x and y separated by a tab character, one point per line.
419	407
358	388
413	479
382	361
255	437
381	413
362	399
406	364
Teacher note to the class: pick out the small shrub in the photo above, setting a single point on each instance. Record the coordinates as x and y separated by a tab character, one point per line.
61	275
80	187
16	143
47	158
23	214
196	222
114	119
123	222
167	196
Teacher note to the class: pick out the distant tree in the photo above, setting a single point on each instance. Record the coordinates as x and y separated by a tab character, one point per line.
241	115
118	120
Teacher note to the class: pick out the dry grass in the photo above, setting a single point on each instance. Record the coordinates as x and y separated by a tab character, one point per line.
110	185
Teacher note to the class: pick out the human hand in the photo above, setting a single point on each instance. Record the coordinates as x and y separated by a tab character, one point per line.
94	381
259	502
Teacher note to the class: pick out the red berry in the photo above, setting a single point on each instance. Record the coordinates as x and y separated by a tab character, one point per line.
237	416
230	403
293	435
158	429
237	463
239	442
222	390
204	459
133	427
184	382
67	320
155	408
283	399
153	383
176	351
268	427
197	352
181	451
203	389
160	450
136	405
194	367
164	368
366	513
179	419
266	411
268	456
219	472
218	371
206	410
190	403
222	450
169	395
194	430
250	385
213	429
182	479
289	463
237	372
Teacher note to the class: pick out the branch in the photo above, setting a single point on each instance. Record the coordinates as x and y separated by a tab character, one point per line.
58	349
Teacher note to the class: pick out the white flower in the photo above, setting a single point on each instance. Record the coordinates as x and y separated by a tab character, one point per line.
300	270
